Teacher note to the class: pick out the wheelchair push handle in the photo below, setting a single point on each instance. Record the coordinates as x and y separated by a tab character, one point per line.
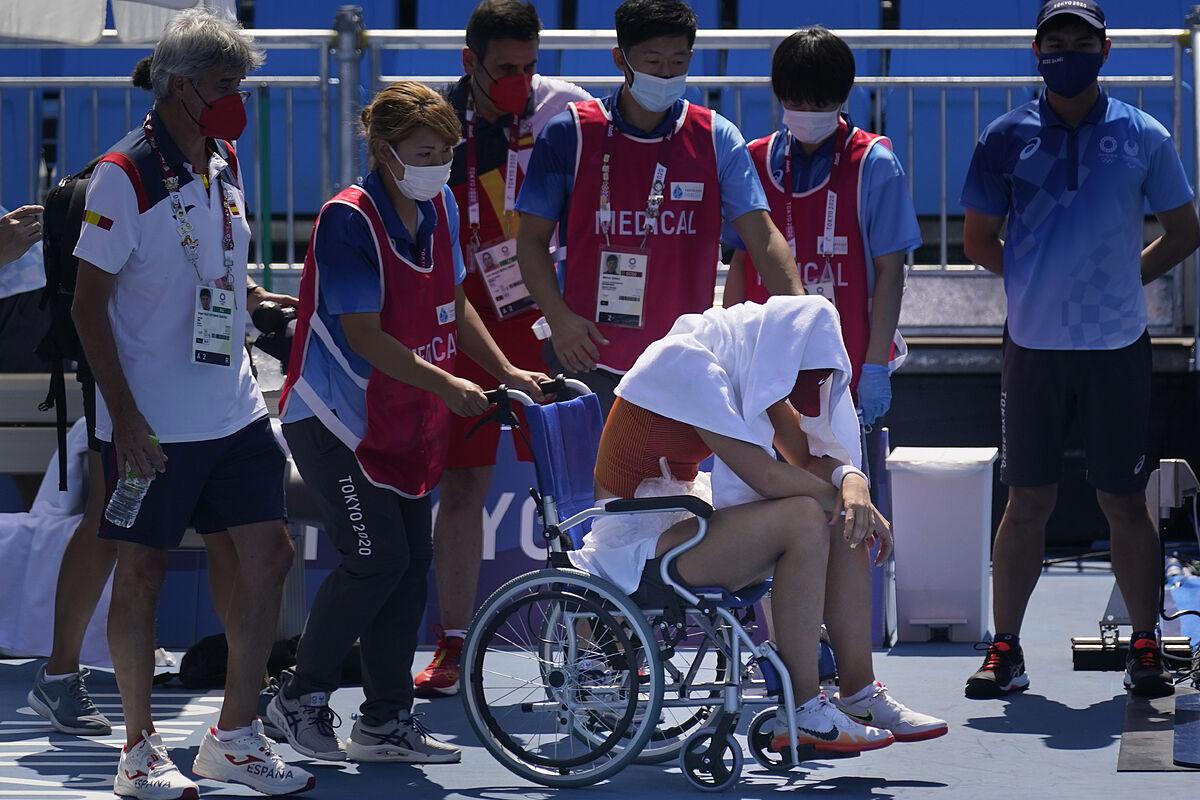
501	393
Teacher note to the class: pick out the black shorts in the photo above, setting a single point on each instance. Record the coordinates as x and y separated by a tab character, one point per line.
87	385
1106	391
211	486
23	325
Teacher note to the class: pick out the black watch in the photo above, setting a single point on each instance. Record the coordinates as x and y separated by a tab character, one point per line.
250	289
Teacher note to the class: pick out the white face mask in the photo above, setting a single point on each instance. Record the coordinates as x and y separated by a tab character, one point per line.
811	127
654	93
421	183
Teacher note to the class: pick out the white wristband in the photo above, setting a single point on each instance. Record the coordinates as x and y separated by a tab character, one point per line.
840	473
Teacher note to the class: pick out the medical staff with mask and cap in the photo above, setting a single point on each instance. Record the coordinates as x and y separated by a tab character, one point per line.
503	104
841	199
366	412
1056	200
648	177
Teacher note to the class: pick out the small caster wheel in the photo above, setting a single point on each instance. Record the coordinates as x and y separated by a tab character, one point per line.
759	736
710	766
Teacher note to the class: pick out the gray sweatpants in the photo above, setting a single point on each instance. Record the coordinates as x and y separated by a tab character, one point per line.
377	593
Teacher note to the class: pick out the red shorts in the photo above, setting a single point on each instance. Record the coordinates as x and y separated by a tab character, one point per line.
523	349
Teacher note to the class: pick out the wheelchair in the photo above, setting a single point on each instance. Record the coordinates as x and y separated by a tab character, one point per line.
567	680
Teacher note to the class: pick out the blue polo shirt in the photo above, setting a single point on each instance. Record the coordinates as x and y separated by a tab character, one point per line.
349	283
550	177
1076	200
885	206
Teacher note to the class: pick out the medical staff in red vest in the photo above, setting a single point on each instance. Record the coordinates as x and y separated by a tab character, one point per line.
846	212
366	412
647	178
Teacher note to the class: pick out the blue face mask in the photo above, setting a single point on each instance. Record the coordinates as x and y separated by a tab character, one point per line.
1069	73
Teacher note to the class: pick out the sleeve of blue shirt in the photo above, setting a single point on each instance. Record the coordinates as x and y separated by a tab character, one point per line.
741	191
460	269
551	173
1166	184
889	219
986	189
347	262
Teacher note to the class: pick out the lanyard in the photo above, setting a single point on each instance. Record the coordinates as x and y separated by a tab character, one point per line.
825	243
510	174
655	196
191	247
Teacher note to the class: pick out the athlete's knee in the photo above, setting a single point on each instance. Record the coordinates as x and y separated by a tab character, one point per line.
1124	510
1030	505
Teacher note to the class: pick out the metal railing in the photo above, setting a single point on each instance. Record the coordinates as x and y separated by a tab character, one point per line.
348	55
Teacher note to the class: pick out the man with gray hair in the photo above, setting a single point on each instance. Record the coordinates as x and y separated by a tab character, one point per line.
184	431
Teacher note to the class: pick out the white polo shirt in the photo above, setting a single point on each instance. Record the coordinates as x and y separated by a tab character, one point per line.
130	231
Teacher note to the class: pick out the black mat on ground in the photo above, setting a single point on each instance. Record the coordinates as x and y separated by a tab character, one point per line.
1148	743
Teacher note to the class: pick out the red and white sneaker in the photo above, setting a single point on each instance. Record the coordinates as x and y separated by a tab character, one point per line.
877	708
440	678
250	761
147	773
821	726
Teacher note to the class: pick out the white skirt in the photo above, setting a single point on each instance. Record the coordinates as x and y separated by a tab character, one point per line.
619	545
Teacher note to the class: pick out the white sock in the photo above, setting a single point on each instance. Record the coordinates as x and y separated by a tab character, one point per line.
455	634
861	694
229	736
809	705
48	677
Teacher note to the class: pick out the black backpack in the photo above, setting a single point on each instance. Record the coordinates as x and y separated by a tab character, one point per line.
62	221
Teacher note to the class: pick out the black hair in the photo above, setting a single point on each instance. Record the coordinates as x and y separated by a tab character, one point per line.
501	19
1058	23
814	66
141	75
638	21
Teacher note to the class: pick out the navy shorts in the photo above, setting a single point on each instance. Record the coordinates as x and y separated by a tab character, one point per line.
1106	393
210	486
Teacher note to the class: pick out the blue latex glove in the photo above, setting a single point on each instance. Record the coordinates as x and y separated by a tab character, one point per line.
874	392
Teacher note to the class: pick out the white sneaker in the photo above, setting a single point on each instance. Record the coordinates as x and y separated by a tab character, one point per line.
821	726
147	773
881	710
403	739
250	761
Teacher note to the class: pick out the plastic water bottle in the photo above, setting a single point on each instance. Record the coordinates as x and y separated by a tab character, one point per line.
126	500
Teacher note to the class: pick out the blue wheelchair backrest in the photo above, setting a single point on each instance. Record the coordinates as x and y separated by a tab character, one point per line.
564	437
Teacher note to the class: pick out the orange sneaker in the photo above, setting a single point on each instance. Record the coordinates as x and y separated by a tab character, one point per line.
440	678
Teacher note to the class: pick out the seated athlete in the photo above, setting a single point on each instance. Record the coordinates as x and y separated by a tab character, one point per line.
741	383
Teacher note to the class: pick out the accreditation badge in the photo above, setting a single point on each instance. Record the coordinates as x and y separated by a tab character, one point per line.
622	290
212	326
497	263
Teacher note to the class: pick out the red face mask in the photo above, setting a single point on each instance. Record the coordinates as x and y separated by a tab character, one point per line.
223	119
509	94
806	394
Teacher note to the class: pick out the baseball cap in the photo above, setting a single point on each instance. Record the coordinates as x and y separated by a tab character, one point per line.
1087	10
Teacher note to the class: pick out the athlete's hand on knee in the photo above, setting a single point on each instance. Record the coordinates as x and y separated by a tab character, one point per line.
464	398
527	382
855	504
883	536
138	450
574	339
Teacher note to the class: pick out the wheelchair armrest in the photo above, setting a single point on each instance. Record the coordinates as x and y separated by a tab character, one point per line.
677	502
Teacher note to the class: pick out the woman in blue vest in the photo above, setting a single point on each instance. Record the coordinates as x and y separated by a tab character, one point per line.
366	410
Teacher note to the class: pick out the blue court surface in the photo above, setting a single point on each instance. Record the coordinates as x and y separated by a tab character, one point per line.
1060	739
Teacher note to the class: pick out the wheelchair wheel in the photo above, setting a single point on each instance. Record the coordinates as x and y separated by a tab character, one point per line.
710	766
696	661
562	678
758	738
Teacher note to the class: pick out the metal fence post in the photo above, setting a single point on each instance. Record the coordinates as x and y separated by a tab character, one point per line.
349	44
1193	23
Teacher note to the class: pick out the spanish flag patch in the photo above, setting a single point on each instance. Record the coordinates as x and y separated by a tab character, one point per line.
99	220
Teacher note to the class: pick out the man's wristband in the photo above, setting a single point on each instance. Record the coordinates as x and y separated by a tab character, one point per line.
840	473
250	289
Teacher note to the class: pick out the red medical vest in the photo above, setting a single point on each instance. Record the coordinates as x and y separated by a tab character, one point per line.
849	270
404	448
684	244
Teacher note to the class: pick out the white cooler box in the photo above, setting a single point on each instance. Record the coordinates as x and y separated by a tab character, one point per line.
942	519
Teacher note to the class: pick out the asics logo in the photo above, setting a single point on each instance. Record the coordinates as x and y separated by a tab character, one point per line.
830	735
244	761
865	718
